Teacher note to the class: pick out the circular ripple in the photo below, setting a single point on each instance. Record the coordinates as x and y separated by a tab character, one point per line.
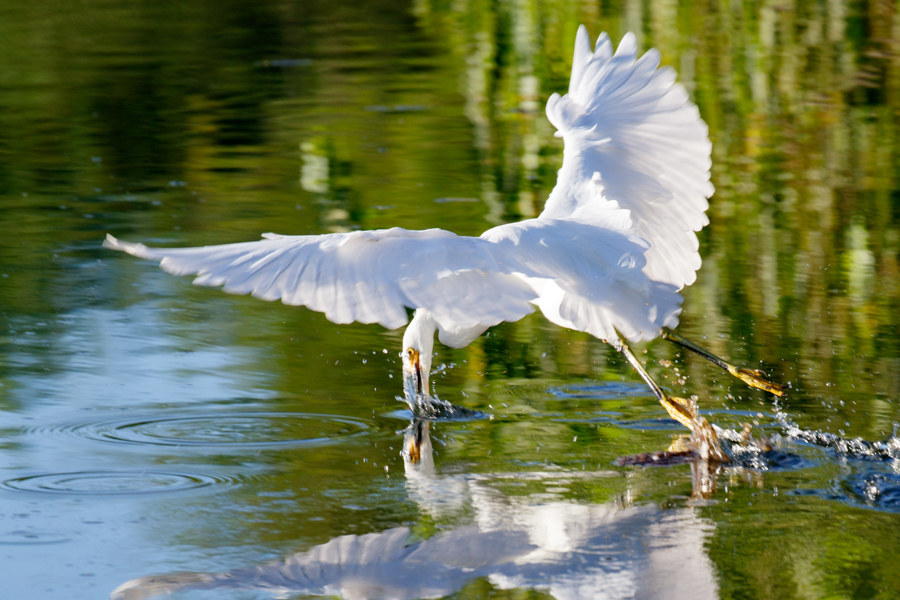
246	430
110	482
21	537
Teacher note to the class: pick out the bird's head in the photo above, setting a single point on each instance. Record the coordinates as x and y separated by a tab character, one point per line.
416	367
417	452
418	345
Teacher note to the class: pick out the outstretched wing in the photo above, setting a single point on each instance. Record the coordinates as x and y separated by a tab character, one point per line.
364	276
633	142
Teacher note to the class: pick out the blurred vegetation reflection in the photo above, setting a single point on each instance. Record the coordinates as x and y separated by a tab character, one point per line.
802	100
211	122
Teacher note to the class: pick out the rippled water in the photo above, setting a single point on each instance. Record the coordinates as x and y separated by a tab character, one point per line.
109	482
158	437
240	429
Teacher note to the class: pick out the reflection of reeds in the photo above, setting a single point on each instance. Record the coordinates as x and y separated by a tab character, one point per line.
802	103
802	99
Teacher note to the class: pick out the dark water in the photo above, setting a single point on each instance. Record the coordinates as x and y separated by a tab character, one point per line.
149	427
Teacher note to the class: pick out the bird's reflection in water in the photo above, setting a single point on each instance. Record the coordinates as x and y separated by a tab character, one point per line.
567	549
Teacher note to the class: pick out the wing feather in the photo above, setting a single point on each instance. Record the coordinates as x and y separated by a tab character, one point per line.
633	142
589	276
364	276
608	255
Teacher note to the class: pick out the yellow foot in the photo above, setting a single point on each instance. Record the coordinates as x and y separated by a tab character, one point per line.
683	411
703	440
756	378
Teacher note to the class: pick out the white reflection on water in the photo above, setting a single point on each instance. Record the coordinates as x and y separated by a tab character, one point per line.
568	549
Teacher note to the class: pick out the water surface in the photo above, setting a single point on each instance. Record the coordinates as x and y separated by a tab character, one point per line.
150	428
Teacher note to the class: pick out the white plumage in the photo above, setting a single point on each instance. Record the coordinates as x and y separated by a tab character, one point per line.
608	255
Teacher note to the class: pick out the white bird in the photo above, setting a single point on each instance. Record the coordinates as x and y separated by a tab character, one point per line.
608	255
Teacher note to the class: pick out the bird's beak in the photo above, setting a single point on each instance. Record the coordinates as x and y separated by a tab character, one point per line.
416	367
415	438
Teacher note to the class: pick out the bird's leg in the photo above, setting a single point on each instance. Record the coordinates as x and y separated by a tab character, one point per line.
752	377
678	408
703	436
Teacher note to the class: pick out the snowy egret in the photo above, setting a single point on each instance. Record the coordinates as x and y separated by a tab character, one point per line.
608	255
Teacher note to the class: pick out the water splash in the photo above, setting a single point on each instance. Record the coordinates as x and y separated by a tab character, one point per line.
431	407
887	449
435	409
878	490
743	450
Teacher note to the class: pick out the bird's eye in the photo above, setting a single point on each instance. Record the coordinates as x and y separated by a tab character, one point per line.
413	355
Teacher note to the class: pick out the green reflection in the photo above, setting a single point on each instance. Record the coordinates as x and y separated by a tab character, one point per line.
212	122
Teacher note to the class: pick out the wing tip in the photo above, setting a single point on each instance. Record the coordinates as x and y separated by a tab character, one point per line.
628	46
113	243
581	36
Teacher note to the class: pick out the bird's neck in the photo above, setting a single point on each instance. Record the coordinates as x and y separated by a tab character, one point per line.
419	336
